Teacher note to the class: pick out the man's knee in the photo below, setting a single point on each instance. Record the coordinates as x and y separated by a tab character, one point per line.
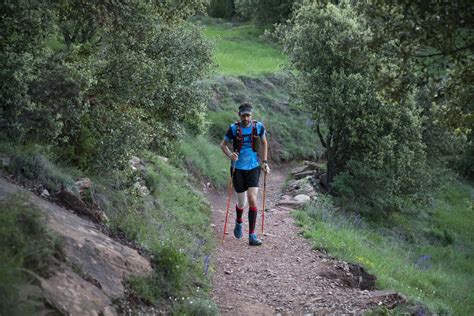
252	196
242	199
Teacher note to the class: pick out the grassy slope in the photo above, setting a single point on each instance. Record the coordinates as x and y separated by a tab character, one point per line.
249	69
172	224
426	254
239	50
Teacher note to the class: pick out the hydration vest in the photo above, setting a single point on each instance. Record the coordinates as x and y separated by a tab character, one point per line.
239	137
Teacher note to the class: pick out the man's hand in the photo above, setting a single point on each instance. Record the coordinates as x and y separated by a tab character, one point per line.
234	156
265	167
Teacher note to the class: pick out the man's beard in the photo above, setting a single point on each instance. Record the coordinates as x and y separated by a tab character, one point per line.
245	123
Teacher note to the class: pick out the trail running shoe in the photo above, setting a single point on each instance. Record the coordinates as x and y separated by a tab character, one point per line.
254	241
238	230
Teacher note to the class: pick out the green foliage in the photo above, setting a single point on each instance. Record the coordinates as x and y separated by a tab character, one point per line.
26	250
435	37
370	139
425	254
24	26
111	144
125	77
432	44
266	12
173	224
240	50
466	164
206	160
169	265
221	8
32	163
196	307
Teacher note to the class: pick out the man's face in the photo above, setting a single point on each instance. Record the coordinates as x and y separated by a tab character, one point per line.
246	119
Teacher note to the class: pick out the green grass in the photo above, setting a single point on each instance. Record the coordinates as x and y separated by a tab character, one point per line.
173	224
206	160
427	256
33	162
289	132
26	251
239	50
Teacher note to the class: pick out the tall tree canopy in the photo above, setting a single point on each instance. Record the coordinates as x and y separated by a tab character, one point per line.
438	36
374	142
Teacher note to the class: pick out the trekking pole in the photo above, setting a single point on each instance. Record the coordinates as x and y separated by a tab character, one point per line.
264	197
228	202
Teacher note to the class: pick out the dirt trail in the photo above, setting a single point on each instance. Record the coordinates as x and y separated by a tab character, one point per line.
284	275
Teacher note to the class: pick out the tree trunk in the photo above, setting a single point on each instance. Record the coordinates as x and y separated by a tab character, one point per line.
330	155
331	167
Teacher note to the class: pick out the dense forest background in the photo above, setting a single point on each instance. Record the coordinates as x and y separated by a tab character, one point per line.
384	90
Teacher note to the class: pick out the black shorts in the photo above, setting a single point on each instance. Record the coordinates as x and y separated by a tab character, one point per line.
244	179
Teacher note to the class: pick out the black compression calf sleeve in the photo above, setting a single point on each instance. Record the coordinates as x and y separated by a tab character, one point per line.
252	219
239	212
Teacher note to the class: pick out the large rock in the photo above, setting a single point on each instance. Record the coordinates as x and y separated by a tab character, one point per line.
299	169
103	262
302	198
71	295
302	186
311	165
304	174
75	203
291	202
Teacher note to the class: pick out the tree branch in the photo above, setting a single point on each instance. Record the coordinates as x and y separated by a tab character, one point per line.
320	135
447	53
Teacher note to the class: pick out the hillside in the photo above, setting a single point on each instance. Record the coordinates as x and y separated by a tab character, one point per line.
114	192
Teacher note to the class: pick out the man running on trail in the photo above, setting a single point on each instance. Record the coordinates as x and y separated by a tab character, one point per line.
246	136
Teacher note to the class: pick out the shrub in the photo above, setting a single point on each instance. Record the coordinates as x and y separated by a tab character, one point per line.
196	307
221	8
126	75
36	167
172	224
26	250
169	269
266	12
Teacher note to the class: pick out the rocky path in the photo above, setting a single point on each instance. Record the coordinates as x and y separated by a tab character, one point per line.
285	275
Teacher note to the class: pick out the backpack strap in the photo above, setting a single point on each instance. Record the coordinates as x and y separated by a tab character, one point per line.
238	137
255	136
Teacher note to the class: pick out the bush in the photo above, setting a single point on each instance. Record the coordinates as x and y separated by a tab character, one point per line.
108	139
26	250
196	307
36	167
373	143
266	12
221	9
127	75
169	270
